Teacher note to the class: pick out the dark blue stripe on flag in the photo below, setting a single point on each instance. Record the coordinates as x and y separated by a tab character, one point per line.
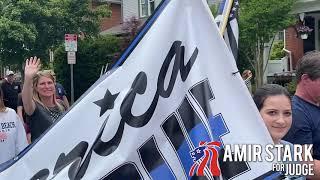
218	127
191	119
199	133
202	93
174	133
154	162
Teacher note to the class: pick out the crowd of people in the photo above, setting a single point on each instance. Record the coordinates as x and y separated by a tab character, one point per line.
289	119
25	114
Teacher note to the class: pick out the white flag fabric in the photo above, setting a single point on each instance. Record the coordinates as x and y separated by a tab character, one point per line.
175	94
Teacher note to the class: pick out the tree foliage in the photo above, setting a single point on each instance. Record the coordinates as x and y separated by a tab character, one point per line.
32	27
92	54
260	20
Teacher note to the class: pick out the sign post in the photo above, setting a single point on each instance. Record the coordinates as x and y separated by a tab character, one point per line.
71	48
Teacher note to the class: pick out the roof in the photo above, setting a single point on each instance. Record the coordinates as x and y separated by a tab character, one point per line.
118	29
109	1
304	6
115	30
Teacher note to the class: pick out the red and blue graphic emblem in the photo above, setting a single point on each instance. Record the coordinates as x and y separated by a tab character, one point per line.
204	154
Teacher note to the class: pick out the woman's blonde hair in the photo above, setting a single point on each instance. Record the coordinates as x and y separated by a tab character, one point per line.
2	106
36	97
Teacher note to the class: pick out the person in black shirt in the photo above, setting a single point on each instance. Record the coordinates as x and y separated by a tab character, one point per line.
306	108
39	98
10	89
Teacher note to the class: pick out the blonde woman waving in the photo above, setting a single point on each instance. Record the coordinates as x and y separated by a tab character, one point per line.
38	96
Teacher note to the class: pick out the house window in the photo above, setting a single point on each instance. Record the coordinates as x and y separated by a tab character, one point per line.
281	35
152	6
143	8
147	7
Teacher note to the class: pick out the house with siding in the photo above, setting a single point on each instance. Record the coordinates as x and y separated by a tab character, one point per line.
123	10
296	44
307	13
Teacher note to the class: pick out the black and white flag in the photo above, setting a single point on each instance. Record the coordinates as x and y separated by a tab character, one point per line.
227	20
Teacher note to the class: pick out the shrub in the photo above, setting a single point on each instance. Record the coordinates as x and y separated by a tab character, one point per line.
291	87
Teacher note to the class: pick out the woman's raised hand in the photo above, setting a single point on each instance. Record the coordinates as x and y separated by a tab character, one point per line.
32	67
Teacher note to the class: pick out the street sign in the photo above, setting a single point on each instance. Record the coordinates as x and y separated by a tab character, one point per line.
70	42
71	57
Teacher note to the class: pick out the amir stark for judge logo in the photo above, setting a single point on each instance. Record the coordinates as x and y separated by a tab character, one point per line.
203	155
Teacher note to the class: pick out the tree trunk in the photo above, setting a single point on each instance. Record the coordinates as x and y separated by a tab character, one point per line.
259	65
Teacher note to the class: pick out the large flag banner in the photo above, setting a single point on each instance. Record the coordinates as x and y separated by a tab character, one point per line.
166	113
227	21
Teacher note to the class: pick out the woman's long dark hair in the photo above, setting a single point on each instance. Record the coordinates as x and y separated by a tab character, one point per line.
266	91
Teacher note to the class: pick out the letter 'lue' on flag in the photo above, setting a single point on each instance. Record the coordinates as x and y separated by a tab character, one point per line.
166	112
227	21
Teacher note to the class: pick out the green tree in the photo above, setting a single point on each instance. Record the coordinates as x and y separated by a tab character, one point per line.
33	27
260	20
92	54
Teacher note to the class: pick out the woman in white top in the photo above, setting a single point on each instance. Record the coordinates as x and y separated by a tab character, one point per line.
13	137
